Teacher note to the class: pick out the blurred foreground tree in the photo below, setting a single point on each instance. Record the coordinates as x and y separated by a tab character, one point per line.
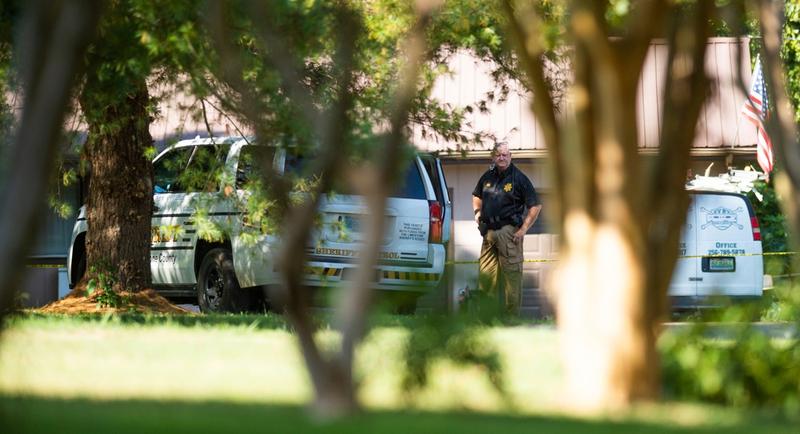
342	84
790	51
52	39
781	124
314	90
621	215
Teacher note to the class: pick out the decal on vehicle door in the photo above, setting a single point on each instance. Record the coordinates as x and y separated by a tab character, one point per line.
722	218
163	258
413	231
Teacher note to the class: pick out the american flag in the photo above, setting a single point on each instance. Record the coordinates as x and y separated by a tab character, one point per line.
755	109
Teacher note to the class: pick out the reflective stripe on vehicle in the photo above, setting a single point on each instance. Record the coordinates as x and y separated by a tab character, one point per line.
410	275
323	271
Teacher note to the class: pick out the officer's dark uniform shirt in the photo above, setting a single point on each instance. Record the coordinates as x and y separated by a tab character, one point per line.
505	197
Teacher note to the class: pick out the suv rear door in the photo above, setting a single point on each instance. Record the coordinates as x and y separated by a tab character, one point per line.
433	166
407	213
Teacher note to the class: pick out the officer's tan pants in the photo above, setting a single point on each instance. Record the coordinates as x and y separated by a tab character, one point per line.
500	267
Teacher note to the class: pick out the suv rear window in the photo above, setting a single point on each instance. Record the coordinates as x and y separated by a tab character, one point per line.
411	185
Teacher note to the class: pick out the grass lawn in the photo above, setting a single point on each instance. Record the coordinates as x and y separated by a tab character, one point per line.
244	373
41	415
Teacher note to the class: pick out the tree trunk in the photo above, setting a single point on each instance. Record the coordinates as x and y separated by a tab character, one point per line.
781	124
331	372
621	223
335	393
120	201
607	341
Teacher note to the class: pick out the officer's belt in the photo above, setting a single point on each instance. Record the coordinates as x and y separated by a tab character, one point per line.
495	223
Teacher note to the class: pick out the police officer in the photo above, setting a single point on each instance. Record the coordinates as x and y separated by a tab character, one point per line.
505	206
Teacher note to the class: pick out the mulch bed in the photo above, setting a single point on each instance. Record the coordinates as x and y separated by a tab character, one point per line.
146	301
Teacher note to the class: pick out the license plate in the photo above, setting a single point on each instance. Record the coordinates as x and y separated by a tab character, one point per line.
349	275
721	264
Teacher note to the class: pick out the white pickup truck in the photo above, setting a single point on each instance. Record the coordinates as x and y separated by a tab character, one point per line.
229	275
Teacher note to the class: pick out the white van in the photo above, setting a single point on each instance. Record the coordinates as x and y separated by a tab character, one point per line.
720	252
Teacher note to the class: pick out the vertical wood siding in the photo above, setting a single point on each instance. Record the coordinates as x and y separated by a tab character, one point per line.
719	126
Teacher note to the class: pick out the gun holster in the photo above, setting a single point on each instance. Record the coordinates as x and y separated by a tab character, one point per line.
483	227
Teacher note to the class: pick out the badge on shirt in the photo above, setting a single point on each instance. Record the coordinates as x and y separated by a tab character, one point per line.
488	185
507	187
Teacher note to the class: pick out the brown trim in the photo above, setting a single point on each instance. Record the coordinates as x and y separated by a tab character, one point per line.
712	40
712	152
539	154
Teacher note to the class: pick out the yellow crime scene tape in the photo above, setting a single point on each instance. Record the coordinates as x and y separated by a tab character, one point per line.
679	257
526	260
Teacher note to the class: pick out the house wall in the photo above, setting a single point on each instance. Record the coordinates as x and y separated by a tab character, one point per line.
720	128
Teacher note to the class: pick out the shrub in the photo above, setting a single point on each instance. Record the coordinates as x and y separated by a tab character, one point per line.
101	281
458	338
782	304
747	369
774	235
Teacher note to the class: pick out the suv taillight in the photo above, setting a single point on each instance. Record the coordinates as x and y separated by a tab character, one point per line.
756	228
435	230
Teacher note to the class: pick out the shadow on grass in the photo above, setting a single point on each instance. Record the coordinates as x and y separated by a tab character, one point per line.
43	415
255	321
259	321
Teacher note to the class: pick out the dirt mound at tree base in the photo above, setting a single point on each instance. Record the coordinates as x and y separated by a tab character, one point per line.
146	301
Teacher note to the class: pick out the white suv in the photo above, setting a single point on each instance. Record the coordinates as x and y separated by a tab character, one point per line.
228	275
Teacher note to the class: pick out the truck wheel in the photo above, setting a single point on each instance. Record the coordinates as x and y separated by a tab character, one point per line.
80	269
217	287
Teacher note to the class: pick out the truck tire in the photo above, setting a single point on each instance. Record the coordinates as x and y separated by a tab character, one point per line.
217	287
80	269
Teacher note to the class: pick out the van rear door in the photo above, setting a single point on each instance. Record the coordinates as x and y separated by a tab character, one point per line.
684	276
730	262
